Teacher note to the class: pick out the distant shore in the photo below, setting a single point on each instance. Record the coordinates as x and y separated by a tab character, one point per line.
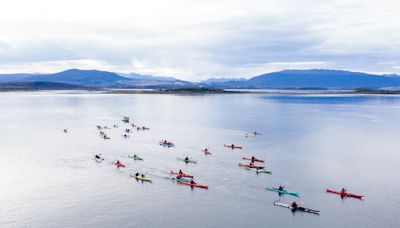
204	90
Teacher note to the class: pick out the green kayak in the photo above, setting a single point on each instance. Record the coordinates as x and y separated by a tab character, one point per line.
187	161
136	158
283	191
259	170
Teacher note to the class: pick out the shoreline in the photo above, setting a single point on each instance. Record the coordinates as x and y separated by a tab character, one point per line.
215	91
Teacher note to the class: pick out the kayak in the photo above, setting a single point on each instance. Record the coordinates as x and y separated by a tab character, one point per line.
206	152
259	170
303	209
119	165
187	161
99	159
251	166
233	147
185	179
137	158
283	191
167	144
255	159
183	174
141	178
193	185
247	134
345	194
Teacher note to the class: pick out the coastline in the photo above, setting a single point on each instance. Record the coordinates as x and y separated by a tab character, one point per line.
205	91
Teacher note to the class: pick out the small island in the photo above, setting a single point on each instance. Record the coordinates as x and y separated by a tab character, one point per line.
184	90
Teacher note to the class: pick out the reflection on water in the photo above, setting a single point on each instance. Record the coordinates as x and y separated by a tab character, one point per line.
310	142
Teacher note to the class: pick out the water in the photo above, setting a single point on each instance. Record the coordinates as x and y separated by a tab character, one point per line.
310	142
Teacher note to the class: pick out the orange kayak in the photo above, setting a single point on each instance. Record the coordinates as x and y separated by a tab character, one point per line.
194	185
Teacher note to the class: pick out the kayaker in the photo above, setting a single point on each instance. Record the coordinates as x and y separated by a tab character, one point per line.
118	162
253	159
137	174
143	175
206	150
233	145
97	156
180	172
134	156
186	159
192	182
343	191
281	188
294	205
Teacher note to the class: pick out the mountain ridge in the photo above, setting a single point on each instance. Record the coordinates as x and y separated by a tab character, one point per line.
285	79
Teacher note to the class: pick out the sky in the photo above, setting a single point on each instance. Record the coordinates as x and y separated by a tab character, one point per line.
195	40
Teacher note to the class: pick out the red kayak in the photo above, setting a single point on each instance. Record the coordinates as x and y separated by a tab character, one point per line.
119	164
182	175
234	147
255	159
344	194
194	185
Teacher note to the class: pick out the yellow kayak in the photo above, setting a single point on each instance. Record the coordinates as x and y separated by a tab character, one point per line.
141	178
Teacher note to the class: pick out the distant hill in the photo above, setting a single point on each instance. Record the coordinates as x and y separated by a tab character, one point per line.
148	81
287	79
81	77
12	86
5	78
98	79
223	80
331	79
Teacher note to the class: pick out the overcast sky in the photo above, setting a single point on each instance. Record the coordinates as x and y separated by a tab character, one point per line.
194	40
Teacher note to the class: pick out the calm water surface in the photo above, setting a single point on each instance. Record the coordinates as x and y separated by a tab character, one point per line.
310	142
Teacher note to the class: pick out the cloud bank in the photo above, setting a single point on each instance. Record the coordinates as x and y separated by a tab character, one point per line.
194	40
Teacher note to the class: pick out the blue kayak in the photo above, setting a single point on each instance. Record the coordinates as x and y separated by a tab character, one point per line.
283	191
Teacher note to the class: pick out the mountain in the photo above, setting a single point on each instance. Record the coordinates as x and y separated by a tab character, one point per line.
148	77
81	77
223	80
6	78
96	79
287	79
148	81
330	79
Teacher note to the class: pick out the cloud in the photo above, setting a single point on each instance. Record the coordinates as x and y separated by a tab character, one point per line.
193	40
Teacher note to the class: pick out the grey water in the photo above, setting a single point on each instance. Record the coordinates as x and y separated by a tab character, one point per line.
310	142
